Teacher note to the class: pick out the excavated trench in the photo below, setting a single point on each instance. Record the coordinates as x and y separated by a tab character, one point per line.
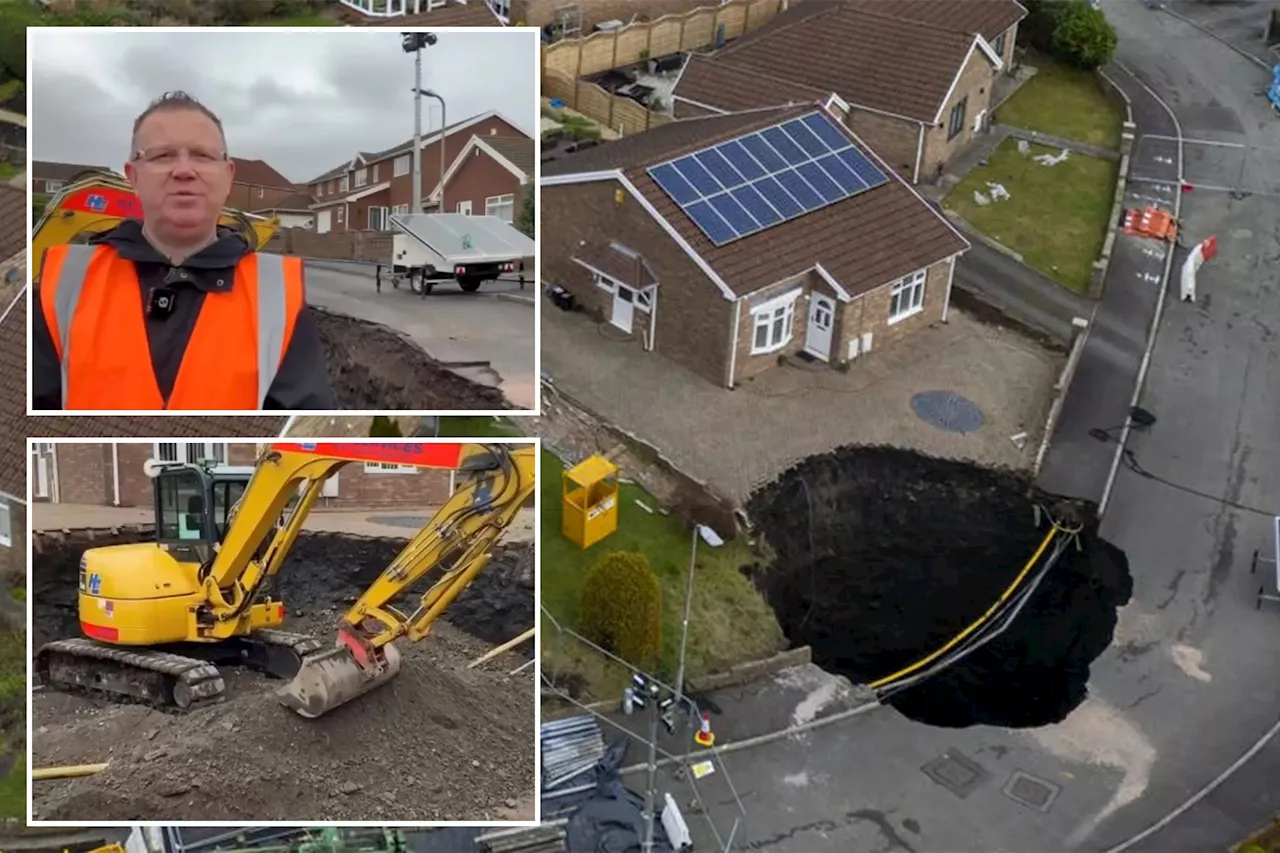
881	556
461	740
372	367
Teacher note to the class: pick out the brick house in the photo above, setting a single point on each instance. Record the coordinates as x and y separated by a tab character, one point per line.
912	78
112	475
293	211
832	273
490	177
49	178
362	193
433	13
557	18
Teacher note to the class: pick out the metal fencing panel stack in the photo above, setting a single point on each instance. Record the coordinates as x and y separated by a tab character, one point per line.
548	838
570	747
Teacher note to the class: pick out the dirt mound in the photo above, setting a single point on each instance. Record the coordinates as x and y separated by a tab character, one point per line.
440	742
372	367
883	555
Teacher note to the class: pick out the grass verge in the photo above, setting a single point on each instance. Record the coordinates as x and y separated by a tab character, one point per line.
1056	216
1066	102
7	171
730	621
13	705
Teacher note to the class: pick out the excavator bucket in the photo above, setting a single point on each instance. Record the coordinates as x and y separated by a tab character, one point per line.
334	678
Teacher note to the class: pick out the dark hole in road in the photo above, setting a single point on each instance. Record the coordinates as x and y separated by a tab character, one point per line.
883	555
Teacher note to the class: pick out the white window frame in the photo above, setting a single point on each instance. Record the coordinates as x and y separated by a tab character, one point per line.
181	451
389	468
955	122
344	185
262	191
341	208
373	173
382	214
766	316
400	166
912	285
362	177
399	209
52	186
458	208
333	184
505	202
643	297
6	524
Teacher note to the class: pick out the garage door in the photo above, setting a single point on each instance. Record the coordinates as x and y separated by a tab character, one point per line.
322	221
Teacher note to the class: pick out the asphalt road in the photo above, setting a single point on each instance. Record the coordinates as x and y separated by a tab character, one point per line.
452	326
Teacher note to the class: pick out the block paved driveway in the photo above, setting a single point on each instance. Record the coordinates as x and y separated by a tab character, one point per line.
740	440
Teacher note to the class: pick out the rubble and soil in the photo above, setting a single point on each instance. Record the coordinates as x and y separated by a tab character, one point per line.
439	742
882	555
373	367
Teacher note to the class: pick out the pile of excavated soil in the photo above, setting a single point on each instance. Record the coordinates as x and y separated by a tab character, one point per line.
439	742
374	368
883	555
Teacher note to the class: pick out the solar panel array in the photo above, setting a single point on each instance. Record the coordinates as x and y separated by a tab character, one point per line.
753	182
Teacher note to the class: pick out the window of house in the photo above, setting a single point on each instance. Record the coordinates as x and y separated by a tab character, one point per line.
319	190
400	166
388	468
333	187
772	323
501	206
191	451
957	118
362	177
6	525
373	173
907	297
400	209
343	185
604	283
262	191
340	211
998	47
52	186
378	219
501	8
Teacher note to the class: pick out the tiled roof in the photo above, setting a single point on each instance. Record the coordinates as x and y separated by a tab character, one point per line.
403	148
863	242
618	263
335	172
257	173
46	171
989	18
518	150
729	87
13	222
16	426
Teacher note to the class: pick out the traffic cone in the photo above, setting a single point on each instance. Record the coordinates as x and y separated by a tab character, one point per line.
704	737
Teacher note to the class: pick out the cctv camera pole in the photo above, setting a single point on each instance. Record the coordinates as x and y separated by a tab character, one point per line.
650	795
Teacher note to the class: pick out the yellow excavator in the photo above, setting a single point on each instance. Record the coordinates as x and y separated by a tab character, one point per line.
96	201
158	618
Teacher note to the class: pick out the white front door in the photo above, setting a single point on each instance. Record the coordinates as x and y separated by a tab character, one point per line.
330	488
42	468
624	307
464	207
978	121
324	221
822	315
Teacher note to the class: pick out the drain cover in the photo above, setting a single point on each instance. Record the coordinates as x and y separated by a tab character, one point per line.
956	773
399	520
1031	792
947	410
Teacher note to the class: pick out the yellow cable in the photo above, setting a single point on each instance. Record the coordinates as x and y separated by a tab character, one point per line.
876	685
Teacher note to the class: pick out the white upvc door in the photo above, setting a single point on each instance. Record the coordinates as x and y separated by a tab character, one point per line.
624	307
324	221
822	314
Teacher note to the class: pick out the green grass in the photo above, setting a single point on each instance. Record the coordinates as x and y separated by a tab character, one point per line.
10	89
7	171
730	624
13	698
1056	216
19	593
1065	102
479	428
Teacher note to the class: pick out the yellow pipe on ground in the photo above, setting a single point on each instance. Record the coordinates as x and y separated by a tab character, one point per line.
67	772
981	620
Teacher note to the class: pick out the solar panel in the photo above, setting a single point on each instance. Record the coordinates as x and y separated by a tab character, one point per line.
767	177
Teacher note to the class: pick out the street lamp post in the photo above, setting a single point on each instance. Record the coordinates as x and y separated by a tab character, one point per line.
706	534
444	123
414	43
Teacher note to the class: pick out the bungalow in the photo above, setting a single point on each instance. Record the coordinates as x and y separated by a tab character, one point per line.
293	211
490	176
729	242
913	78
49	178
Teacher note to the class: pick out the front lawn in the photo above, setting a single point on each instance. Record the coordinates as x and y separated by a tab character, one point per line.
484	427
13	705
730	622
7	171
1065	102
1056	216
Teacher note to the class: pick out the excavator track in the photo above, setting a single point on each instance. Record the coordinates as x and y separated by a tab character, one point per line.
164	679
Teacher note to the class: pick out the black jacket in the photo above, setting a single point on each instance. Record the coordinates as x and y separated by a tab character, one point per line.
302	382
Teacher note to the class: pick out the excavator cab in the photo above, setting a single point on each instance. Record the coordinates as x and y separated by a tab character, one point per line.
194	505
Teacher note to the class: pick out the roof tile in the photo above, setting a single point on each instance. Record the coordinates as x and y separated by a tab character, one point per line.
13	221
45	170
518	150
259	174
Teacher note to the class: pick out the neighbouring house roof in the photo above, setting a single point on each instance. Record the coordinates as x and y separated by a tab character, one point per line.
257	173
514	153
16	426
13	221
861	242
297	203
619	263
471	13
988	18
851	48
45	171
729	88
335	172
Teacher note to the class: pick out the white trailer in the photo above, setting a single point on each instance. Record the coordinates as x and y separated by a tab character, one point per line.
431	248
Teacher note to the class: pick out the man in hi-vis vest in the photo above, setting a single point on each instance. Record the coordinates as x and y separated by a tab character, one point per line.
175	312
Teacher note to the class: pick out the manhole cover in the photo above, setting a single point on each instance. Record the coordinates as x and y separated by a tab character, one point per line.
399	520
947	410
1031	792
955	772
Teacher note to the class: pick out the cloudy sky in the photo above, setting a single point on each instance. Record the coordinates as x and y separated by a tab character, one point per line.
303	102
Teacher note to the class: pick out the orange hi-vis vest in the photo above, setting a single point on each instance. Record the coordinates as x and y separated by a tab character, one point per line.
93	305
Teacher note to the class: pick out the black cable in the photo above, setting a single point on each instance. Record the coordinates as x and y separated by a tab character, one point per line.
1131	462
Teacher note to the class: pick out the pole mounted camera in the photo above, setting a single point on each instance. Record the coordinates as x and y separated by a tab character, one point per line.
412	42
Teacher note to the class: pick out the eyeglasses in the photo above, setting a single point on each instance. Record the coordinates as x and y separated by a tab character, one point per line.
166	157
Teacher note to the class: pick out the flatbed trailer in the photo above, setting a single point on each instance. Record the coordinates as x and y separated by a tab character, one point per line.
432	248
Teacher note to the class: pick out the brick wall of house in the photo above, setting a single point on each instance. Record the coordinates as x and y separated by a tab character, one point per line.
253	197
1006	55
895	140
41	185
693	322
749	365
975	85
479	178
84	473
870	313
15	556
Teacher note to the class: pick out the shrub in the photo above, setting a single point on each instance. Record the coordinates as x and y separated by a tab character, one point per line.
622	608
384	427
1083	36
527	215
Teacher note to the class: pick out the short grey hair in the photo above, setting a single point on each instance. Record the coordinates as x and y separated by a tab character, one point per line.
176	100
